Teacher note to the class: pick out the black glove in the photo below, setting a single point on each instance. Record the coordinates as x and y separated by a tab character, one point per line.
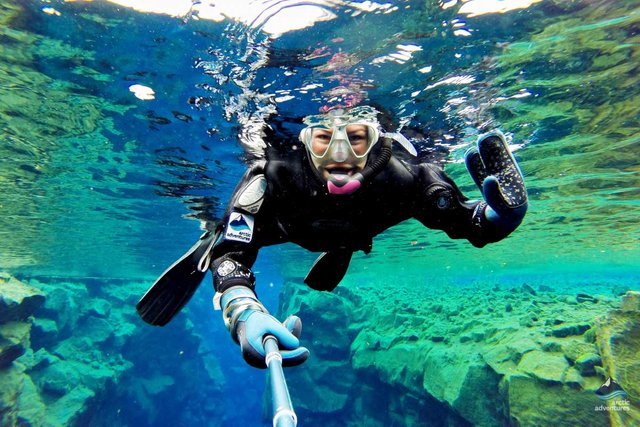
496	173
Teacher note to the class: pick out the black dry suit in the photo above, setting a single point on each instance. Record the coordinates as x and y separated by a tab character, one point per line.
285	200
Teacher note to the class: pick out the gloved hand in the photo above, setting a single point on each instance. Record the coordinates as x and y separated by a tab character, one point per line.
253	326
249	323
496	173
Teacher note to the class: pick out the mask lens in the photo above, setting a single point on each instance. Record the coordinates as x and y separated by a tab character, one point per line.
319	140
359	138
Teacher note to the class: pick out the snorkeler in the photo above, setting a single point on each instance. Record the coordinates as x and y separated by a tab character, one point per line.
334	197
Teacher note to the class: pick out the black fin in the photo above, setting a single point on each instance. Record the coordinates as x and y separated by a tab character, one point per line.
328	270
175	287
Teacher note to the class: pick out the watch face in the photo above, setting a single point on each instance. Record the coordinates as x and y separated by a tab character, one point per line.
225	268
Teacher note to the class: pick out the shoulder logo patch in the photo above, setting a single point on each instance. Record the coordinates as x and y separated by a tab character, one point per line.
240	227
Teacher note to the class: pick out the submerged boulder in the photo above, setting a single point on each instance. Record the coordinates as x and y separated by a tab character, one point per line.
618	341
14	341
18	300
487	370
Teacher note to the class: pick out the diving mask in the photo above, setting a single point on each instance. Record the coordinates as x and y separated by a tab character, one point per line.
349	142
339	137
339	143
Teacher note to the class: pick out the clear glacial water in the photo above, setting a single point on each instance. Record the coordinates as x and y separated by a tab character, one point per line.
99	183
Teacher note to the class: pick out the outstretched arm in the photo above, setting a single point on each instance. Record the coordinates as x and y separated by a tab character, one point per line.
495	171
243	230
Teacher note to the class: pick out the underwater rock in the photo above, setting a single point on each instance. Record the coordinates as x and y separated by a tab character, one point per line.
157	384
528	289
14	341
11	384
546	367
573	348
586	298
17	300
44	332
86	343
69	409
571	329
463	382
98	328
56	379
631	302
99	307
535	403
618	341
327	397
586	364
66	305
40	359
553	347
487	370
31	409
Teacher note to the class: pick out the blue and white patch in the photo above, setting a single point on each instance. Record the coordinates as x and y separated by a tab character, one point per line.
239	227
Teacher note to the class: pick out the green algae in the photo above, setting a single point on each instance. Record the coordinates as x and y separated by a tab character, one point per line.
51	130
83	347
489	368
583	60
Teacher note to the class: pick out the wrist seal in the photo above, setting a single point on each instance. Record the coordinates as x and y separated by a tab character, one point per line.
231	273
236	302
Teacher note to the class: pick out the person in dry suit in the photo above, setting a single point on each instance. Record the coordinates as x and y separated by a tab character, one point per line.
334	197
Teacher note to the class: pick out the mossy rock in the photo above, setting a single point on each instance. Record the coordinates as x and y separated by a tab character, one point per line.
563	330
543	366
573	348
618	342
68	409
31	410
56	379
586	363
535	403
11	384
17	300
14	341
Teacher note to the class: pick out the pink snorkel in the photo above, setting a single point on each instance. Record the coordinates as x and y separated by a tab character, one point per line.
341	184
344	184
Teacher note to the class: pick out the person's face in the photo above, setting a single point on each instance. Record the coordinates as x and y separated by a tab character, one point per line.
346	154
357	135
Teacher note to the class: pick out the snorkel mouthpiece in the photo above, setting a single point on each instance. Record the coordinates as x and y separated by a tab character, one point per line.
344	184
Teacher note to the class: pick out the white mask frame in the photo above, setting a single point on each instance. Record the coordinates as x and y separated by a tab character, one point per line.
339	148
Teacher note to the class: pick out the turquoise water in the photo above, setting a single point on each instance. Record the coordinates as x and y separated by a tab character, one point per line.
101	190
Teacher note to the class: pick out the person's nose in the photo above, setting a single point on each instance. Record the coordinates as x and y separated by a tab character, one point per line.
339	152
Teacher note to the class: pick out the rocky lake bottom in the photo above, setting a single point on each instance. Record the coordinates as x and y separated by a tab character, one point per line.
456	355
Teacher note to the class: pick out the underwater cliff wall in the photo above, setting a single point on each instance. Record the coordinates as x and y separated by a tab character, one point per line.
462	356
72	353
